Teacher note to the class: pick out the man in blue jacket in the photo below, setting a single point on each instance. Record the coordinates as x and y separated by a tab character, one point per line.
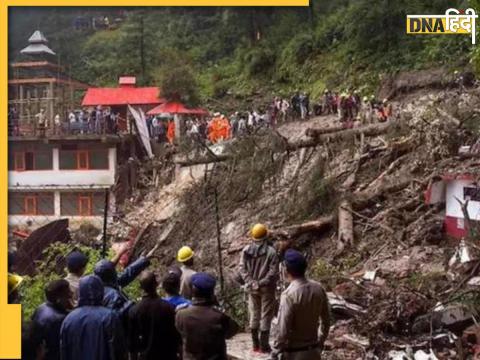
92	331
114	298
49	316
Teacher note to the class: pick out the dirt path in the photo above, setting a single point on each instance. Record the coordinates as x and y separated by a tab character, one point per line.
239	348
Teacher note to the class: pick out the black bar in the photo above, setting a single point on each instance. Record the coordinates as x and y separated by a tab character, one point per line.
105	215
219	243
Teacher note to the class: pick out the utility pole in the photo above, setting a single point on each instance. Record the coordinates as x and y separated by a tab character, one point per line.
219	242
105	215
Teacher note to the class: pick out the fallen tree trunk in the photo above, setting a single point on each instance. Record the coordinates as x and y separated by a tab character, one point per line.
207	159
313	141
380	178
320	225
345	224
362	199
327	130
369	130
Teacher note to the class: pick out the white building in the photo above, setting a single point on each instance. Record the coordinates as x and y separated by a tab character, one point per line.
63	176
454	190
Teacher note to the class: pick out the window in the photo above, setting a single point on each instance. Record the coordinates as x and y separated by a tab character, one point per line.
471	193
19	161
30	205
20	203
96	159
82	160
82	204
30	158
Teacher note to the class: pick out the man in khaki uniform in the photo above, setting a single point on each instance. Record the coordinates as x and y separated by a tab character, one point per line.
185	257
203	327
303	311
259	271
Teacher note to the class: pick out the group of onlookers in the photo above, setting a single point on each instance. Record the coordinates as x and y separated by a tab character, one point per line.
91	317
95	121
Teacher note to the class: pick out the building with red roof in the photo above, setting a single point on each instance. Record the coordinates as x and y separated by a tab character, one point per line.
125	94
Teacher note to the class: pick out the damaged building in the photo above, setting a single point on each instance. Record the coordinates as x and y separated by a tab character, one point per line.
57	173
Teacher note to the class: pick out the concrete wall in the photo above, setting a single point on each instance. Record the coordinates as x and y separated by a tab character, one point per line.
64	178
32	222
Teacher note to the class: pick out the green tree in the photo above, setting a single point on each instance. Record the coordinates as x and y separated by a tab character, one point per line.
176	78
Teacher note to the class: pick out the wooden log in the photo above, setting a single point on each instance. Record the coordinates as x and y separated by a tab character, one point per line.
207	159
345	224
319	225
380	178
368	130
327	130
312	141
362	199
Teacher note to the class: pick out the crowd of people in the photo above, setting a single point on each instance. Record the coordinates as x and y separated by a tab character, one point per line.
350	108
91	317
97	120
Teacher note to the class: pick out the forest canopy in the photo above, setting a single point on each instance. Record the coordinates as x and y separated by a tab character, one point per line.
243	51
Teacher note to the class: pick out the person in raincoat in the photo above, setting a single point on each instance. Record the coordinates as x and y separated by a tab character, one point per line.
92	331
50	315
114	298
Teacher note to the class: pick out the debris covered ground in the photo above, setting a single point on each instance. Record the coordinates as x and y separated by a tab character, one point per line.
354	201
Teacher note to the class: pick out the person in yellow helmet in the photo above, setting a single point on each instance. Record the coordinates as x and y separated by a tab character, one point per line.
14	282
259	272
185	258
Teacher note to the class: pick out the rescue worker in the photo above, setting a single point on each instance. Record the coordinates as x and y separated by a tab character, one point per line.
303	309
114	298
92	331
171	131
171	286
185	258
203	327
50	315
384	111
14	282
151	325
365	111
259	271
76	265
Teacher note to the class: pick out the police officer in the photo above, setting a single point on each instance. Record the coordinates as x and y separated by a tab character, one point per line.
303	309
259	271
203	327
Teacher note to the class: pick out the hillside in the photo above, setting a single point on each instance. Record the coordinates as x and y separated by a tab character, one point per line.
381	176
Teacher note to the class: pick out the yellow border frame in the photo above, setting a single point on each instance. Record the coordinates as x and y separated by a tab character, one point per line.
10	315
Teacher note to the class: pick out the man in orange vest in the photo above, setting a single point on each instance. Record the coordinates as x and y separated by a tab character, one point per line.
171	131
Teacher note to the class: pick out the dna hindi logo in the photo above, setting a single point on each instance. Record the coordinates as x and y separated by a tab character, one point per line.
459	22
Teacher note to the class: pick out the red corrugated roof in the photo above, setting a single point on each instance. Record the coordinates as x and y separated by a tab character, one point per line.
175	108
122	96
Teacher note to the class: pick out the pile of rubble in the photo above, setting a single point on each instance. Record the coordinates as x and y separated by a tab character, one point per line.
399	287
